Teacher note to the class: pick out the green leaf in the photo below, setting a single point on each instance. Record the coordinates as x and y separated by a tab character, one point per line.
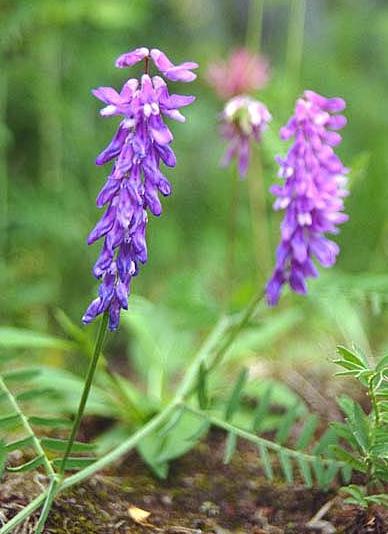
230	447
234	399
330	473
28	466
55	444
319	471
286	465
262	410
49	422
74	463
382	364
346	472
21	375
203	400
9	421
360	426
174	420
157	452
352	356
346	405
307	432
266	461
379	499
33	394
327	439
286	424
357	492
305	471
347	457
201	430
19	444
343	431
18	338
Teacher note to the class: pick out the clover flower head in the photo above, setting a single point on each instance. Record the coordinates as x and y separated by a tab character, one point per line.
138	148
312	193
243	72
243	121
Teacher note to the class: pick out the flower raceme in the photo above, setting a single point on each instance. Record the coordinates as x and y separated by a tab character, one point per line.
243	121
139	146
311	194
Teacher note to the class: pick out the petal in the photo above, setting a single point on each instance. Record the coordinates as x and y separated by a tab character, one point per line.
103	226
114	147
179	74
107	95
167	155
131	58
325	251
174	114
177	101
92	311
160	60
274	287
107	192
297	281
160	132
114	315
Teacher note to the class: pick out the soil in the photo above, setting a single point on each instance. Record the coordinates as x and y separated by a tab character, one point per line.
201	495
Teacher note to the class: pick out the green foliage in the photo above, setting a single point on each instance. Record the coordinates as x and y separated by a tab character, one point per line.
23	432
364	434
357	495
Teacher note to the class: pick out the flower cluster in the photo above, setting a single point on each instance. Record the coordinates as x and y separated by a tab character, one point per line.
242	121
139	146
312	193
244	72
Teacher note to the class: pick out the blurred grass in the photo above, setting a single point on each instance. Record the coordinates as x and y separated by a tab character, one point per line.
52	53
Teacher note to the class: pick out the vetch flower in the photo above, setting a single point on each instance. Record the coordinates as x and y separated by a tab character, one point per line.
311	194
244	72
243	121
138	148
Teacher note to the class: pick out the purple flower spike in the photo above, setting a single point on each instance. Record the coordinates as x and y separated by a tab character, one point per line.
242	121
139	147
311	195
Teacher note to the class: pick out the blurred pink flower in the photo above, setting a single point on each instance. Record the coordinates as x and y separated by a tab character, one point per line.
242	73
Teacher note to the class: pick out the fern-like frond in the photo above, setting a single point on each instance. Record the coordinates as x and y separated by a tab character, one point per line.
25	430
312	465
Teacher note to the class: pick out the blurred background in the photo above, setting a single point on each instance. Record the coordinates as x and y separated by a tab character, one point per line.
53	52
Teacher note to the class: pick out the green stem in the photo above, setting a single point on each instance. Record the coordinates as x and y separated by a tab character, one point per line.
184	390
235	330
51	492
254	25
86	390
295	40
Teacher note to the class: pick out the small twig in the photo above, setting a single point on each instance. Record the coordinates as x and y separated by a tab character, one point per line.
316	522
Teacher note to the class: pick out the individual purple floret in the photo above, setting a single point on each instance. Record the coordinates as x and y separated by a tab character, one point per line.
242	121
139	146
312	193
